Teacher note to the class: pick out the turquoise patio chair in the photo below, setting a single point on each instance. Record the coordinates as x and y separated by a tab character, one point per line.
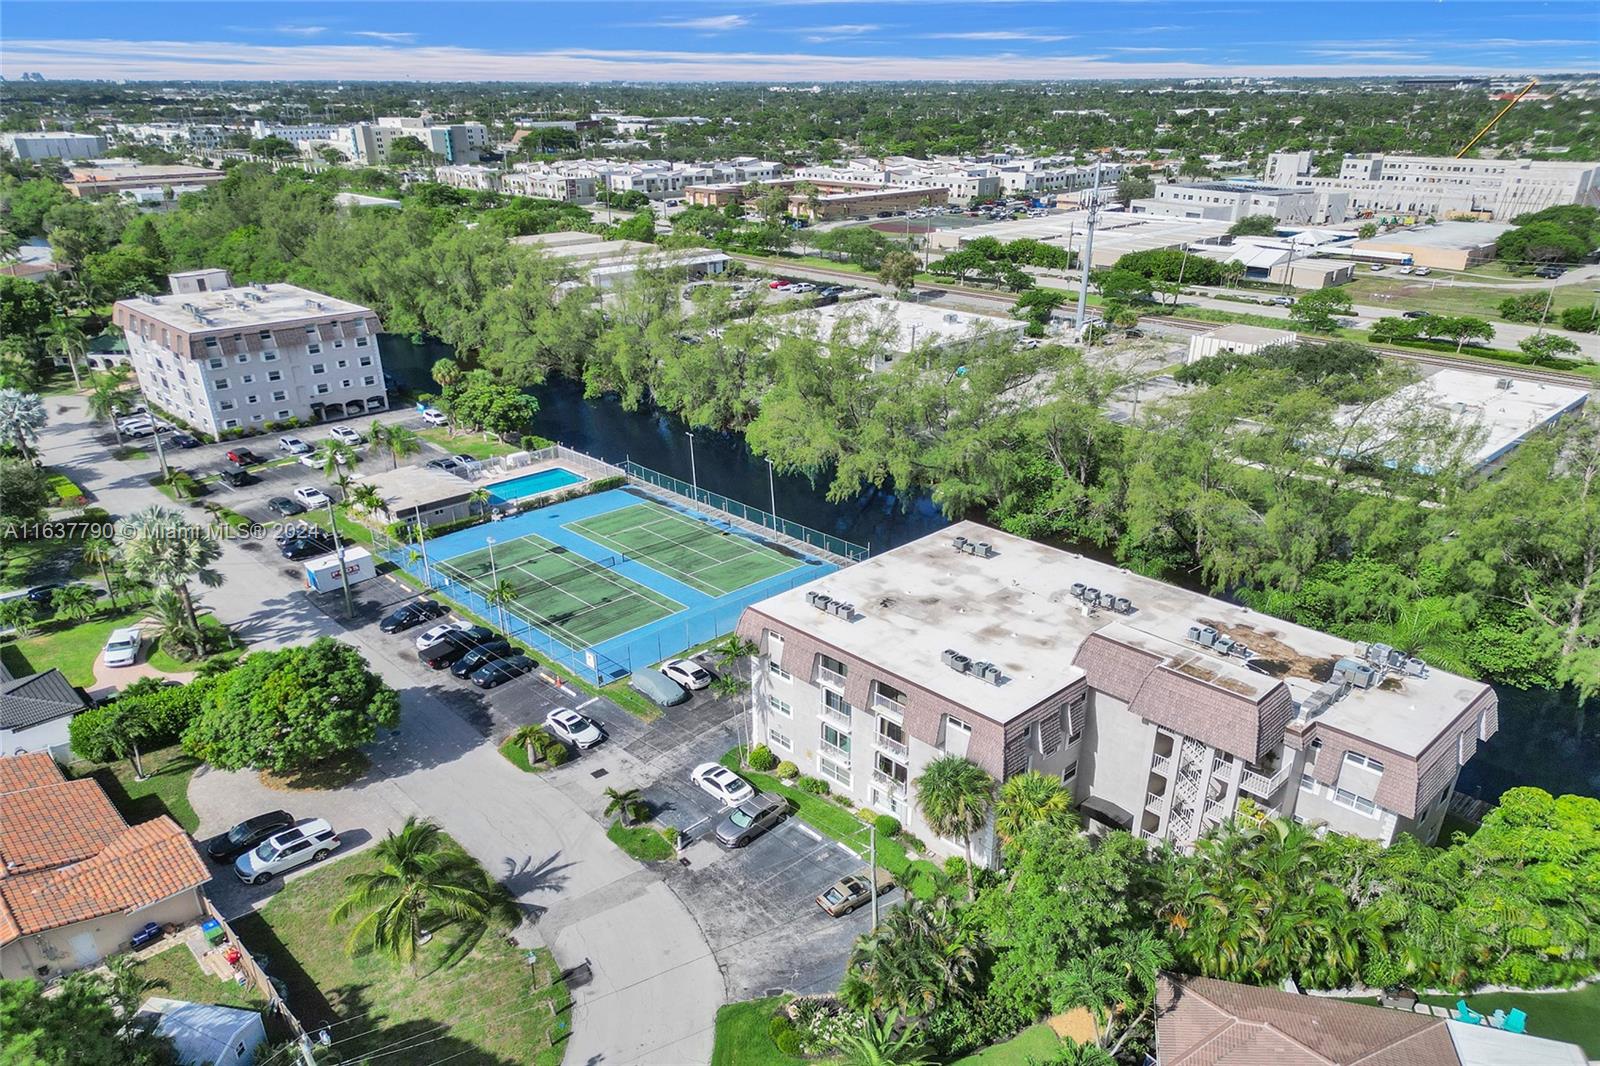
1466	1014
1516	1021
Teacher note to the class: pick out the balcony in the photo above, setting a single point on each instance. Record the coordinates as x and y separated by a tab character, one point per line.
1259	785
890	746
883	780
835	717
895	712
1152	801
1161	763
830	677
834	751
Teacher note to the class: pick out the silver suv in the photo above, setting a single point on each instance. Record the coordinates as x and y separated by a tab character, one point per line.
311	841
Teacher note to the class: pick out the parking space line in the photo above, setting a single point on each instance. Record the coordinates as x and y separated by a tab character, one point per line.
801	826
585	703
846	850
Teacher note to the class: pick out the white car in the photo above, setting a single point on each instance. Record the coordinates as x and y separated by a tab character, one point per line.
435	417
122	649
293	445
1405	270
313	460
346	435
688	673
1423	272
311	841
430	637
573	728
721	783
310	496
804	286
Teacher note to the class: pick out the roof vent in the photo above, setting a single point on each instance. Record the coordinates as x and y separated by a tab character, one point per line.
1503	383
1355	673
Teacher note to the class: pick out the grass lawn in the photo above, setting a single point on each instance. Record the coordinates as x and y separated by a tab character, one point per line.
1404	293
31	562
165	789
350	531
488	1009
826	816
182	978
742	1038
468	443
72	646
216	634
1570	1016
624	696
130	453
643	842
1037	1042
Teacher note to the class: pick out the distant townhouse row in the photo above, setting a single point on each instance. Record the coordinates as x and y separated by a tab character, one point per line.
370	142
586	180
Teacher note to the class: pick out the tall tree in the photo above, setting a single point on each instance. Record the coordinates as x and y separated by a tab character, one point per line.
955	797
21	417
1031	799
158	547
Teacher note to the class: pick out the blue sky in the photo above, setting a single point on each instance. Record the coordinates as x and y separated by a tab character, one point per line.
793	40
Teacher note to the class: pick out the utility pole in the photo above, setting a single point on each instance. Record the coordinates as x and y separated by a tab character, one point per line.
422	546
1088	252
872	831
1548	300
694	475
494	583
344	571
772	494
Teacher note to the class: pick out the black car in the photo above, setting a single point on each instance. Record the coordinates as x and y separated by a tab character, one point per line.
282	505
483	653
306	547
412	614
454	645
236	478
225	847
41	595
184	440
500	671
1417	314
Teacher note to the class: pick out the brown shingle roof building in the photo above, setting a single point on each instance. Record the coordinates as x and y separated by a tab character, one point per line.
76	880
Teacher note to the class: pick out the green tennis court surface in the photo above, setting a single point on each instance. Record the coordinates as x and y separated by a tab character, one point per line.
684	548
576	600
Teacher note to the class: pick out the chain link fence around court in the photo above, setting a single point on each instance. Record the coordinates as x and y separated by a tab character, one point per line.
755	516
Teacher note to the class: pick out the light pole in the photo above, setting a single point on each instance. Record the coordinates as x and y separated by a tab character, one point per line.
344	571
872	829
694	475
772	495
422	546
494	585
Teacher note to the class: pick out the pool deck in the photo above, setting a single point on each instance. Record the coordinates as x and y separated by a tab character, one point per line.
538	466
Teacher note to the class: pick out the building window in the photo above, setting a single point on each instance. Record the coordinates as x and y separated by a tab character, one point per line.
311	330
1308	783
215	364
1069	772
322	390
1349	799
268	357
211	342
894	771
252	399
255	418
778	672
314	349
274	375
1357	759
219	383
835	740
283	414
952	724
345	384
243	357
839	775
280	395
247	379
778	740
265	334
831	670
361	342
226	405
342	364
318	368
780	706
366	360
232	423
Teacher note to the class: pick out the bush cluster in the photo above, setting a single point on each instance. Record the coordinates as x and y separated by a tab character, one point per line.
814	785
761	758
148	709
787	771
887	825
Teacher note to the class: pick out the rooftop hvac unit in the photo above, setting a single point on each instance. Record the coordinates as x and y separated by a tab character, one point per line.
951	316
842	609
1091	595
1078	588
983	550
1355	673
1415	667
1108	601
960	544
1503	383
1223	643
956	661
1241	650
1204	636
986	671
1378	654
1124	605
1316	703
819	600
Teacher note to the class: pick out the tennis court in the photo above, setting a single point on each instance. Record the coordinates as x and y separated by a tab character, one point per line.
685	548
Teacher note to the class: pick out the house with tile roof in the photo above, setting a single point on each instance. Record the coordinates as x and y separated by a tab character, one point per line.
76	881
1201	1021
36	710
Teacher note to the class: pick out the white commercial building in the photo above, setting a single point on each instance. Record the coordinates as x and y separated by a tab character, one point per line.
54	144
225	358
607	264
1236	340
1160	708
1418	187
901	326
1230	201
1116	233
174	134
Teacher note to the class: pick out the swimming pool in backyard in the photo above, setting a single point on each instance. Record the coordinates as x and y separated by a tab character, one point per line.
520	488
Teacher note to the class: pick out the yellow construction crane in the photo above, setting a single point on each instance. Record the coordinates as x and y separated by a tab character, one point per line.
1509	105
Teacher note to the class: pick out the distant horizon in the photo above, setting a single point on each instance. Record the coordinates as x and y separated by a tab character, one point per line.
794	42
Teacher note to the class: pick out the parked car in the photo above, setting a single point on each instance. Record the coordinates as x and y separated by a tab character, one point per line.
236	478
412	614
227	846
142	428
661	689
293	445
42	595
314	460
721	783
122	647
751	818
1423	272
285	507
1405	270
434	635
306	547
465	460
244	457
453	646
311	841
777	283
346	435
435	417
1282	301
1416	314
184	440
1375	267
476	657
449	464
573	728
500	671
311	496
1551	271
851	891
688	673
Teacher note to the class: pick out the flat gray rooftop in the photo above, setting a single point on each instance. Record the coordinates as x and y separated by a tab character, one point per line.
243	306
1017	611
1440	235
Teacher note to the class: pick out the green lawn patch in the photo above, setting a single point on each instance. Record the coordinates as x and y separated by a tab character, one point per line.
1037	1043
217	636
30	562
517	755
500	1004
180	977
130	453
74	646
826	816
742	1037
350	531
466	443
66	491
165	789
643	842
1569	1016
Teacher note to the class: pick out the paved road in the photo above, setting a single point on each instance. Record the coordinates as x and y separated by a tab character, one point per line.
656	983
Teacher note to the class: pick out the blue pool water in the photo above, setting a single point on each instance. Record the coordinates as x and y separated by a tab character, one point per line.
503	492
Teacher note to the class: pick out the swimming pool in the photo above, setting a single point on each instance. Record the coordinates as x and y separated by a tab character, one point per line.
520	488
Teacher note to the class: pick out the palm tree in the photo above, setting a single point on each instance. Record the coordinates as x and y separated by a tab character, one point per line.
533	739
1031	799
18	368
338	462
108	394
159	548
123	733
478	499
402	442
733	649
378	433
74	601
423	881
877	1044
21	416
100	552
18	616
955	797
628	804
170	622
446	372
67	341
923	954
367	499
500	594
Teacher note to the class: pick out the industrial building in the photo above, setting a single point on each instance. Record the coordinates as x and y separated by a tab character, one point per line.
124	177
1421	187
1116	233
53	144
1230	201
225	358
1162	709
1236	340
610	263
1453	245
826	199
903	325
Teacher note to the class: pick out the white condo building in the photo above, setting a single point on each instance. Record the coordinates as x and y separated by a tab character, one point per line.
1162	709
1439	186
54	144
222	357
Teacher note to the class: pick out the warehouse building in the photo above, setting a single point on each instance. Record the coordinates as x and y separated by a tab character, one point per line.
1453	245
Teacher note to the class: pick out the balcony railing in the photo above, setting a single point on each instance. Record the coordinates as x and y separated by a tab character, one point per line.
830	677
1160	763
890	745
1152	800
896	711
886	781
835	751
1259	785
836	716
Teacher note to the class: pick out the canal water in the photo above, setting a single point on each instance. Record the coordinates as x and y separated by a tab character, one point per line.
1546	738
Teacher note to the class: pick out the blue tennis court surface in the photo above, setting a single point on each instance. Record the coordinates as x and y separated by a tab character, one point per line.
612	582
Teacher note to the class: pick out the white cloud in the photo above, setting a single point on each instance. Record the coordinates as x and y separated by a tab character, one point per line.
1365	53
844	29
381	35
295	30
709	24
996	35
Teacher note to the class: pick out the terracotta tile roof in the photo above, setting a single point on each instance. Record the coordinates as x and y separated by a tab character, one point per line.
66	855
1205	1022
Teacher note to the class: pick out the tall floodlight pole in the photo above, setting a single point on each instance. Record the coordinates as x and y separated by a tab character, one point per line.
344	571
1088	252
772	493
694	476
494	584
422	547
